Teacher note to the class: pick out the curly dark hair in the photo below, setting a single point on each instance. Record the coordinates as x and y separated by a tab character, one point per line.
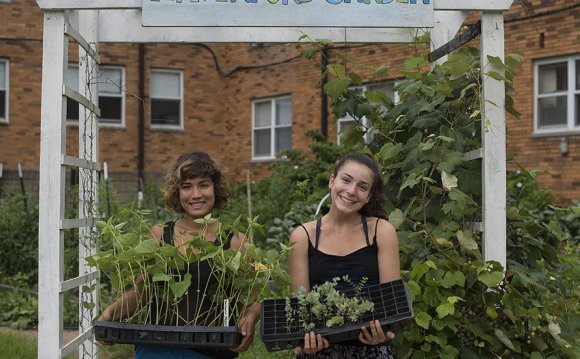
190	165
375	205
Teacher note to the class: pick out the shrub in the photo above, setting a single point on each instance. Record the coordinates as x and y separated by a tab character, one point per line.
464	306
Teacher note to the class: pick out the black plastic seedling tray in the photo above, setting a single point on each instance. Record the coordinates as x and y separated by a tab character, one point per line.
182	336
392	308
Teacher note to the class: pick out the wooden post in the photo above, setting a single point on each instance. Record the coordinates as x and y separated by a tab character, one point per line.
249	197
493	140
51	186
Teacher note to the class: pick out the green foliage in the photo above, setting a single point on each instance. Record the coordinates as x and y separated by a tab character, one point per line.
324	303
18	304
19	257
464	306
133	259
19	235
524	190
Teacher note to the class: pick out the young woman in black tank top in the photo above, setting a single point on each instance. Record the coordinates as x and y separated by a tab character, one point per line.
193	187
339	244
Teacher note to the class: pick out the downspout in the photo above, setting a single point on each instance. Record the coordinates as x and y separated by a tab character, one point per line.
323	97
141	124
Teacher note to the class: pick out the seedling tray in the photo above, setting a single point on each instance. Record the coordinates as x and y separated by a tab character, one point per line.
392	308
182	336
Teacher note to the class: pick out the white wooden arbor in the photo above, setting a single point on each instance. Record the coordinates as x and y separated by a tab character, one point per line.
90	22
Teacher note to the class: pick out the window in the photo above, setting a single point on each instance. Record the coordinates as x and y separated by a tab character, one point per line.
4	81
346	122
166	99
272	127
557	95
110	83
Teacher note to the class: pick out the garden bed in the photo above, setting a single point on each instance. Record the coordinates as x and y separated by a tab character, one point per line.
182	336
392	307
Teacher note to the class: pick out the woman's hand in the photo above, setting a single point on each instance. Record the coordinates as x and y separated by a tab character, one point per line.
312	343
247	326
375	335
106	315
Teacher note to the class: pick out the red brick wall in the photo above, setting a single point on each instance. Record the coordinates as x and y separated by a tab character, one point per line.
217	104
561	36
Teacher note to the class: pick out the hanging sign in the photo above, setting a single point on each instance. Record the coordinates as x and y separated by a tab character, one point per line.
288	13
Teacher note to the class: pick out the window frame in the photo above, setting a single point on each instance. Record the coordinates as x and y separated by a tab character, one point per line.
6	118
121	124
570	94
369	134
153	126
273	101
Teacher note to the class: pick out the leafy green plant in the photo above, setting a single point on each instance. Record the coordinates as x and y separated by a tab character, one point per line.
324	303
242	276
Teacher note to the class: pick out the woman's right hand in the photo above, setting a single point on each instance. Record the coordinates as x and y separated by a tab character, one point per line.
312	343
106	316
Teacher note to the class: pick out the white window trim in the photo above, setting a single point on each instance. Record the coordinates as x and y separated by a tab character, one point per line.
364	120
179	127
272	126
122	87
6	119
72	123
570	127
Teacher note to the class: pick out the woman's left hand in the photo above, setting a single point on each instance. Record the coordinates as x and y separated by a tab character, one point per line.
247	326
375	335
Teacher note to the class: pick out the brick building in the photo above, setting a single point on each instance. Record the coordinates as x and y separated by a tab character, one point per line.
244	102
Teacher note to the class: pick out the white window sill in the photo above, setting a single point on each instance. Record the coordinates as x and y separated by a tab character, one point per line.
556	133
166	128
268	159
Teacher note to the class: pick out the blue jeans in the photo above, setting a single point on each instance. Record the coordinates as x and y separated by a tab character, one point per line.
156	352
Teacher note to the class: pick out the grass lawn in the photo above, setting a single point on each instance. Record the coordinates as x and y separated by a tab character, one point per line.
18	344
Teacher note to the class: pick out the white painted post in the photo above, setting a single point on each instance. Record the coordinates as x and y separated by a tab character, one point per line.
88	184
446	24
51	186
493	140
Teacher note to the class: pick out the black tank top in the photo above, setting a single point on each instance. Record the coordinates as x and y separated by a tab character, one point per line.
203	279
357	265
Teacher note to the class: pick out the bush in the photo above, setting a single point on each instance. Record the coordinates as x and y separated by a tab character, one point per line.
19	236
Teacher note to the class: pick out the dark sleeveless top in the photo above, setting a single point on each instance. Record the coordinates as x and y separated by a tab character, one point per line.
359	264
187	306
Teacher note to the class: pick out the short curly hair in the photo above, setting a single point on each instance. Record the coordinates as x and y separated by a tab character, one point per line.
191	165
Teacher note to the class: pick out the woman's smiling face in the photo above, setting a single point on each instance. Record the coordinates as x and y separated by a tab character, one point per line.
197	196
350	189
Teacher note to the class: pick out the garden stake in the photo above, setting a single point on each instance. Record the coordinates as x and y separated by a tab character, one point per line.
226	312
249	195
1	167
24	199
107	198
